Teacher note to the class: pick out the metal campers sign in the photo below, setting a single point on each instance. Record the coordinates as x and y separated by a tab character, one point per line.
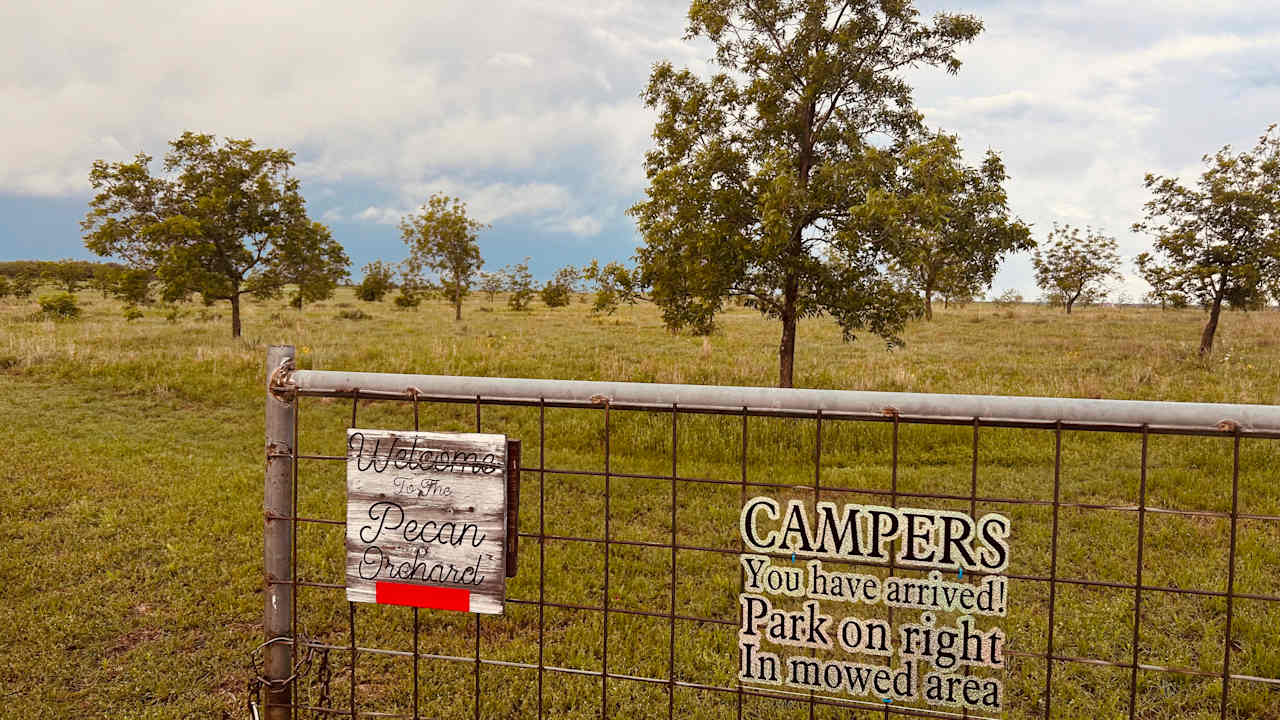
427	519
946	579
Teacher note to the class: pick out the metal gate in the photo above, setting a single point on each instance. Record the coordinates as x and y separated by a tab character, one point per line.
1145	571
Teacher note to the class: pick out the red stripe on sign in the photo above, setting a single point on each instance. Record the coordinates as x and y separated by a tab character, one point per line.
423	596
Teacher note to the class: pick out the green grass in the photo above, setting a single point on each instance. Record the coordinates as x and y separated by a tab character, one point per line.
133	505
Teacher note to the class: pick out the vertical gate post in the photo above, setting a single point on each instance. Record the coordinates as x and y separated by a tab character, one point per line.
277	539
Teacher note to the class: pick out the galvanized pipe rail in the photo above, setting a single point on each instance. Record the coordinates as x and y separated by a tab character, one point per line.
994	410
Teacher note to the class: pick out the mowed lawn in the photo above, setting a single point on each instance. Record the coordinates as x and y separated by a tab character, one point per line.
133	473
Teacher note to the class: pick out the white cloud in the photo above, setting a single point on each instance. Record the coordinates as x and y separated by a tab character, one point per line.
492	202
529	109
1196	47
511	59
1130	287
1082	99
546	203
584	226
380	215
518	107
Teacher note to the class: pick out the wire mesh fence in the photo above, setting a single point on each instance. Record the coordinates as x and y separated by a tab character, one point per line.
1143	577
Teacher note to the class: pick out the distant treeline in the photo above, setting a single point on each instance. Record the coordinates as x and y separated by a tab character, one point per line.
86	269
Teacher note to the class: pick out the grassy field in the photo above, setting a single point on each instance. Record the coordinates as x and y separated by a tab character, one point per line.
132	571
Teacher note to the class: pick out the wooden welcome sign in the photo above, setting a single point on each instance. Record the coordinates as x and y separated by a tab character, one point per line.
427	522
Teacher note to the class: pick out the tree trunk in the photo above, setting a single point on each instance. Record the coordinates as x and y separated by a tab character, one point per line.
235	315
787	348
928	304
457	295
787	351
1211	327
791	284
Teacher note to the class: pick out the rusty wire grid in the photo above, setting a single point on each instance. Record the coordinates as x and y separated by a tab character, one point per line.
288	704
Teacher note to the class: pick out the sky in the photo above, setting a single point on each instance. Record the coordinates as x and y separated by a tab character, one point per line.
529	110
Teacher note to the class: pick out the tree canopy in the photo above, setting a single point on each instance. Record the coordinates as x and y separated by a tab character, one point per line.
559	290
443	239
68	274
948	224
492	283
521	285
378	280
1219	240
224	219
756	169
1161	280
23	285
311	262
615	284
1072	267
132	286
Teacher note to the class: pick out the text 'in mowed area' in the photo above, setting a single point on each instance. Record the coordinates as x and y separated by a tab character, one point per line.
920	656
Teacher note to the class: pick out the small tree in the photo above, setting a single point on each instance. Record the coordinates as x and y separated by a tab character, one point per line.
521	287
377	281
570	277
60	307
312	262
1008	298
492	283
1159	278
67	274
413	286
558	292
105	277
1219	241
959	287
554	295
407	299
443	239
615	284
948	223
133	286
1075	267
213	223
24	283
6	289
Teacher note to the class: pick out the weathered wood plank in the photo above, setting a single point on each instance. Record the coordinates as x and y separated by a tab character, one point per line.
427	510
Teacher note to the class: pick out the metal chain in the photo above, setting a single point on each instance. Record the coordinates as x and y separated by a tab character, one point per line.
255	699
257	682
325	673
